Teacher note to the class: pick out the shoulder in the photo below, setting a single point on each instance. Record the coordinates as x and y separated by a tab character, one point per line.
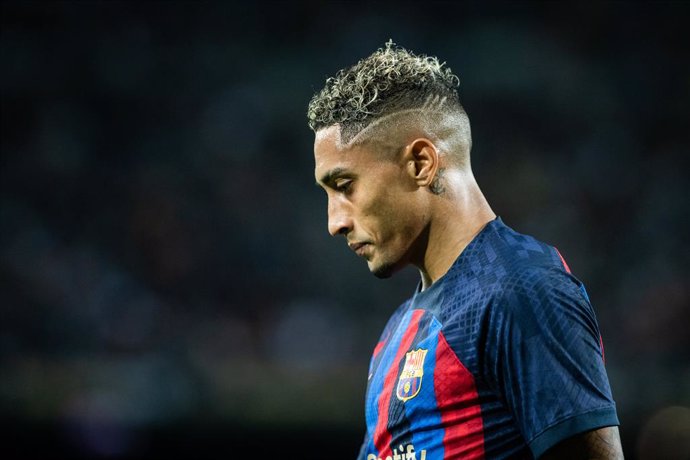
499	251
517	252
500	263
526	280
524	265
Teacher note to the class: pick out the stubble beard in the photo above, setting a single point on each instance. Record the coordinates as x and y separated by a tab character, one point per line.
384	270
387	268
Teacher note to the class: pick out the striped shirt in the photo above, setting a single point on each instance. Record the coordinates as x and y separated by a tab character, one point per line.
500	358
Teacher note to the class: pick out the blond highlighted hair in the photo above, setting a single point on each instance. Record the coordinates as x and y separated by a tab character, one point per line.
389	81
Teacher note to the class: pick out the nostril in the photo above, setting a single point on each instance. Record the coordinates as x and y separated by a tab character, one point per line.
336	230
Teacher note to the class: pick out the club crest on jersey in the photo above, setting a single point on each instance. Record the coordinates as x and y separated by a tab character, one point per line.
410	380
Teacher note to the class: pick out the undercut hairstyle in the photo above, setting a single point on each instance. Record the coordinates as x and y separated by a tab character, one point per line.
393	87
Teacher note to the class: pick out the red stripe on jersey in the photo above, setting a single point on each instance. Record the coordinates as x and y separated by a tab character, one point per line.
565	264
458	403
601	344
382	436
378	348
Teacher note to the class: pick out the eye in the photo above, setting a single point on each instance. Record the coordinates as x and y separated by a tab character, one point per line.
343	185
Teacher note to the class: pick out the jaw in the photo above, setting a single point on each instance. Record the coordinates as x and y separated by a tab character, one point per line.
384	264
382	271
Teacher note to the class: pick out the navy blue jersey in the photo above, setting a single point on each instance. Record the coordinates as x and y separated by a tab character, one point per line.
500	358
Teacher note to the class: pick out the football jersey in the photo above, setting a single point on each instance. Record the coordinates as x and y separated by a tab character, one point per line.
500	358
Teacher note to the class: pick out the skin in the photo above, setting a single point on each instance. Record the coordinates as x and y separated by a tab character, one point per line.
383	205
601	444
384	201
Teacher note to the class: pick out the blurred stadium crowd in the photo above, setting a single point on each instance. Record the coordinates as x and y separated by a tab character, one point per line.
168	285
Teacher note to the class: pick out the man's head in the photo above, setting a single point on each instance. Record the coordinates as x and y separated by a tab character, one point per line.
394	94
386	129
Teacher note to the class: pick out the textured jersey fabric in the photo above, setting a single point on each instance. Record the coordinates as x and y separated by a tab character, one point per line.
500	358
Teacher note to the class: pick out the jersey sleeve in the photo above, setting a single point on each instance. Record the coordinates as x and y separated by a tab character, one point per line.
544	355
364	448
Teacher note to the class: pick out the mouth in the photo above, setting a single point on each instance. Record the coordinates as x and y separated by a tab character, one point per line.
358	248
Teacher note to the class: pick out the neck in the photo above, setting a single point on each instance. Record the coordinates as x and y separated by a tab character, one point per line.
459	215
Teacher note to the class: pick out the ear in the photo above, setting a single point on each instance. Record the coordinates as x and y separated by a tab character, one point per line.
422	161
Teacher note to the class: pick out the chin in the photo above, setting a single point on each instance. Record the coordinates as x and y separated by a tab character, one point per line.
383	271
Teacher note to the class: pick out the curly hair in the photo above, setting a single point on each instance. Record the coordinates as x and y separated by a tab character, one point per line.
390	80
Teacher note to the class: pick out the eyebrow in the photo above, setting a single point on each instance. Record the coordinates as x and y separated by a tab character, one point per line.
331	175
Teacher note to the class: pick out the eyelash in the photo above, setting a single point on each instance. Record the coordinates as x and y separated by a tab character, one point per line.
344	187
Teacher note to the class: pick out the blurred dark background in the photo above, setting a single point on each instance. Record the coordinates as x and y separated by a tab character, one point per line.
168	287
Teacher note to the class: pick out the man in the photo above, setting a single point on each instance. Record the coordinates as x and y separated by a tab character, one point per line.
497	353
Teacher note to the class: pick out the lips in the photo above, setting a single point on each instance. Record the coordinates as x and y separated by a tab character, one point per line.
358	248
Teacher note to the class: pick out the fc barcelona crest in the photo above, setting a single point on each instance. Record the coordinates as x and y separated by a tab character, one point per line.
410	380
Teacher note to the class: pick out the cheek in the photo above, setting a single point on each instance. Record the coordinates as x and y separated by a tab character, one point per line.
393	219
381	209
387	210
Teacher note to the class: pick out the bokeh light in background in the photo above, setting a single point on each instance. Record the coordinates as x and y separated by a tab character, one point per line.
168	285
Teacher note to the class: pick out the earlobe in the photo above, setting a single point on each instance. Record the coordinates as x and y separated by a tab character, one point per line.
423	161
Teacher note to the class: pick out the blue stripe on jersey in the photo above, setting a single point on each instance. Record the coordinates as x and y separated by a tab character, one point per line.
432	440
379	375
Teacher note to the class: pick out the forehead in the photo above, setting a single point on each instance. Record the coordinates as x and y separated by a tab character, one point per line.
331	154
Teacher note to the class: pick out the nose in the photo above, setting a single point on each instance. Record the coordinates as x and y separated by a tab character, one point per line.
339	220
